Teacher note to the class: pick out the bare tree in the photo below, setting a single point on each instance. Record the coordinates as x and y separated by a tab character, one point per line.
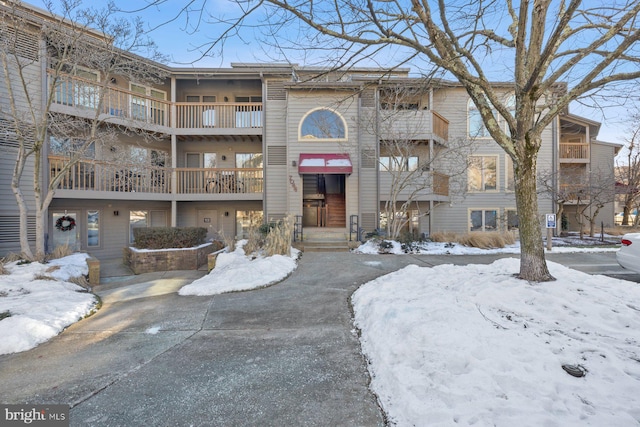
598	192
410	165
73	41
554	52
588	191
628	170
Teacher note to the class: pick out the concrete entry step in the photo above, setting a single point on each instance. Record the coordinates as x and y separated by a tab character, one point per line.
325	239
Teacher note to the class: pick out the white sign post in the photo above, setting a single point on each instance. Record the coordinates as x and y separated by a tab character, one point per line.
551	224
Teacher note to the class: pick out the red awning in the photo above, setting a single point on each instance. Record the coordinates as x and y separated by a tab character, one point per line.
332	163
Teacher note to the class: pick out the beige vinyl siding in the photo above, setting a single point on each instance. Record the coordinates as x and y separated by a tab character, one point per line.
452	104
8	152
114	229
602	161
299	104
277	184
187	213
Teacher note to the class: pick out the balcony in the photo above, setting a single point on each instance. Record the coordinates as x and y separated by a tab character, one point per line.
81	97
215	118
414	125
571	152
85	98
148	182
219	181
431	186
574	194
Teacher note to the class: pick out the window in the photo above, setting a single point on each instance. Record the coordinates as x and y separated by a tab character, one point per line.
79	92
322	124
208	111
148	106
477	129
250	114
398	163
510	184
510	103
248	160
70	146
201	160
93	228
483	220
482	173
137	219
143	219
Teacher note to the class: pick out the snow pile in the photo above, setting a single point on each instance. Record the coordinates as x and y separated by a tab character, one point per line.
236	271
40	308
437	248
473	345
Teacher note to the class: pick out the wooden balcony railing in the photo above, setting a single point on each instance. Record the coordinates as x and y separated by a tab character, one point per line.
95	175
440	184
413	124
574	151
574	192
77	92
440	126
219	115
219	181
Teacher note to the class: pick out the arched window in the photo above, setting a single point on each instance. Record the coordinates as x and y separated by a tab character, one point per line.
322	124
477	129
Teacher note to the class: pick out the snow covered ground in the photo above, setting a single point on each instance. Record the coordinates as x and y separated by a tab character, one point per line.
472	345
449	345
40	302
235	271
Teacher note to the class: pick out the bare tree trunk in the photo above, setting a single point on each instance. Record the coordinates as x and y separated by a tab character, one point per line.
532	261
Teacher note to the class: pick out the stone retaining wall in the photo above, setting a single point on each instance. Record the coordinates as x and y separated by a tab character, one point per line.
166	259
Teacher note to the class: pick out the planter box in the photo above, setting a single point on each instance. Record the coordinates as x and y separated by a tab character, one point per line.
150	260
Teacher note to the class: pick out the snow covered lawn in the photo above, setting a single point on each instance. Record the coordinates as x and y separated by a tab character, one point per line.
472	345
41	303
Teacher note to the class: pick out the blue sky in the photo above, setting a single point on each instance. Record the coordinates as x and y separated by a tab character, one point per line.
182	41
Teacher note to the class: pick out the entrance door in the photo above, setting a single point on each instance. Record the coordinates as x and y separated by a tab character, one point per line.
65	230
209	220
323	200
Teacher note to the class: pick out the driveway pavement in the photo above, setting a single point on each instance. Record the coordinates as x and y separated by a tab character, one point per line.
286	355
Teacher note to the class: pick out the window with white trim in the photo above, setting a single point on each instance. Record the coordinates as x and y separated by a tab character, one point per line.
482	173
510	179
483	219
476	126
322	123
148	106
398	163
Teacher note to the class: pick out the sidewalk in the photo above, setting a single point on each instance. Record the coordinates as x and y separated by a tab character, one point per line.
286	355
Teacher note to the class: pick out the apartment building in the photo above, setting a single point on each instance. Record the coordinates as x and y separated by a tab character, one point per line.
223	148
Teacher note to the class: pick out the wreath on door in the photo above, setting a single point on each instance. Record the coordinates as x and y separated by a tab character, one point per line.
65	223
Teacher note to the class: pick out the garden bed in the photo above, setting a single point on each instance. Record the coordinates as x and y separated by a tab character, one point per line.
150	260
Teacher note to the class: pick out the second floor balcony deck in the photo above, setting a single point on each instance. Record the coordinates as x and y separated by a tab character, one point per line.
414	125
571	152
429	185
85	98
110	180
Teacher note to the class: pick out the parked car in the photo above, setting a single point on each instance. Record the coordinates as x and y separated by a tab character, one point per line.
617	219
628	256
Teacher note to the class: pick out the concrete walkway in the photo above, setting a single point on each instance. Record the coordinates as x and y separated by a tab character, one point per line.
286	355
